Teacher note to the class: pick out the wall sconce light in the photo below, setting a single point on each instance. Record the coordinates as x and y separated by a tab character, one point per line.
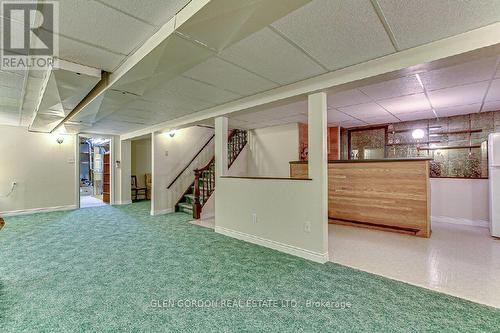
172	133
60	140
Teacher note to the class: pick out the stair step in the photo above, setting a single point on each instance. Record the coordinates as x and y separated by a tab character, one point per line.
185	207
185	210
189	198
201	189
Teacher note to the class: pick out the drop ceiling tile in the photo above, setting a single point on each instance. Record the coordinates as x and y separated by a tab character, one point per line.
491	106
266	115
393	88
199	90
9	118
236	123
347	98
88	55
365	110
9	103
10	92
458	110
253	117
337	33
381	119
156	12
11	79
462	95
176	101
352	123
494	91
250	126
292	109
406	104
416	115
416	22
269	55
336	117
300	118
100	25
470	72
224	75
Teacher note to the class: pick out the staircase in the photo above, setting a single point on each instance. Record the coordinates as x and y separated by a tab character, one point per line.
204	184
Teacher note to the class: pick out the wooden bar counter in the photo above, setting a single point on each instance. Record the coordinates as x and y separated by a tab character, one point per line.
388	194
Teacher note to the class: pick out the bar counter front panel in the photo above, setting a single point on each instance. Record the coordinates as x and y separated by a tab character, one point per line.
391	195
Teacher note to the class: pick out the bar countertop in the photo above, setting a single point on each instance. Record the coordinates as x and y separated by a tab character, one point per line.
373	161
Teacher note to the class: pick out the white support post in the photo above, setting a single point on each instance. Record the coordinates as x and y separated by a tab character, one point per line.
221	131
154	177
318	163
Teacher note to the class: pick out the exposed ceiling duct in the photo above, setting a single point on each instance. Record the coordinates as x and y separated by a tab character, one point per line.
62	88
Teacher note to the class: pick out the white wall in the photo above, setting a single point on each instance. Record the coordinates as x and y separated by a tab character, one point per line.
271	149
460	201
238	169
291	215
44	170
170	156
141	160
124	172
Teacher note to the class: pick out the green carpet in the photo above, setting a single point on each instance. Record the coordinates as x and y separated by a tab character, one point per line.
104	269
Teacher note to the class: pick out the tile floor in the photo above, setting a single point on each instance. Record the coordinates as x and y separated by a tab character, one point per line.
90	201
458	260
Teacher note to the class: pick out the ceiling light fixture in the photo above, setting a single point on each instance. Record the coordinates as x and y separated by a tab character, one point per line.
418	134
60	140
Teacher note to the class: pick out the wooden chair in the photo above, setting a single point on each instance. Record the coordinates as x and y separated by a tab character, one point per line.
149	186
136	191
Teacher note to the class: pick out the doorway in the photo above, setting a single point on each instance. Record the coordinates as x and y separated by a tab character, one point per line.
141	169
95	171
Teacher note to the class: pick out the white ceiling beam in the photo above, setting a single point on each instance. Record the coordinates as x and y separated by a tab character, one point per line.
60	64
76	68
448	47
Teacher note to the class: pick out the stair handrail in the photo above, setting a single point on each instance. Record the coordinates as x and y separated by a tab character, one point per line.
190	162
233	138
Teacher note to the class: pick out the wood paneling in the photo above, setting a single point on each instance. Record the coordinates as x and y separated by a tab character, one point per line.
392	195
106	193
333	142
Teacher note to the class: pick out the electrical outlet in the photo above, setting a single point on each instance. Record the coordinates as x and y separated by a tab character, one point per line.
307	226
254	218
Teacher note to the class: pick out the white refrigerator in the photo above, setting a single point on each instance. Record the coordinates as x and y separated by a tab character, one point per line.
494	182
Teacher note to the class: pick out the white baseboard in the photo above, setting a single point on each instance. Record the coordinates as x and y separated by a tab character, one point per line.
207	216
455	220
293	250
161	212
37	210
126	202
